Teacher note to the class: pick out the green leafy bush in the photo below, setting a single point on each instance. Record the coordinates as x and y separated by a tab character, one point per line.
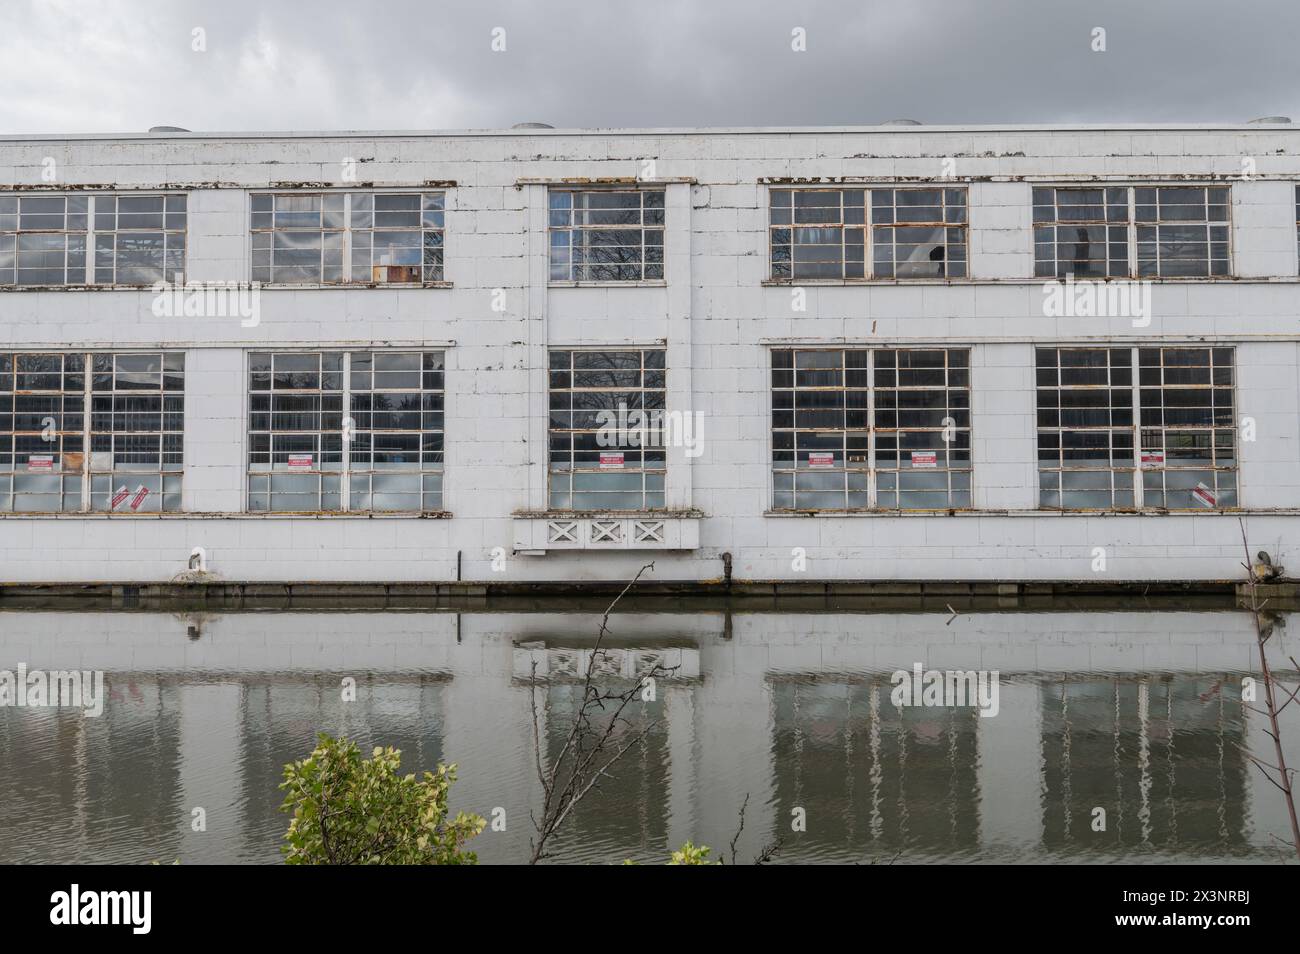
353	811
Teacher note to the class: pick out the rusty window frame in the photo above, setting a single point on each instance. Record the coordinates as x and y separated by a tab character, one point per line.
1102	212
831	234
1144	432
861	233
1073	388
114	431
89	238
1163	224
346	471
341	228
576	228
574	469
867	402
895	216
1155	223
1188	409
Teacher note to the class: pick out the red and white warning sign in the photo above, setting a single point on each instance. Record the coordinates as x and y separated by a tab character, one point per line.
1204	495
611	460
118	496
821	459
925	458
1152	459
300	461
140	493
41	462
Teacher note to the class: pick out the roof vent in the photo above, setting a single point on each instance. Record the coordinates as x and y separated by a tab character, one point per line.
902	122
1271	121
532	126
156	129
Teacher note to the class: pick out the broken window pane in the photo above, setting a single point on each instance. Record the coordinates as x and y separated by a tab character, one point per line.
1090	446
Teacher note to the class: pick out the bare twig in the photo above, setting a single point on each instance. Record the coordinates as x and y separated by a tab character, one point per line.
739	829
588	752
1284	782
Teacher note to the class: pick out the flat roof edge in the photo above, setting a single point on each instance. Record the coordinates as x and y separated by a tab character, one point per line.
662	131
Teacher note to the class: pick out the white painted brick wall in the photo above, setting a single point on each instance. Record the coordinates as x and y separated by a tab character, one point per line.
715	309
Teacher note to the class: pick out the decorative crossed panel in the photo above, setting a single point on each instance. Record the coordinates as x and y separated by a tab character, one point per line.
647	660
565	662
562	531
648	531
606	531
608	663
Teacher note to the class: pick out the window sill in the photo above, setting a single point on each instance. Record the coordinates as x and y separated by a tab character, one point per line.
1029	280
240	515
656	283
314	286
1223	512
833	282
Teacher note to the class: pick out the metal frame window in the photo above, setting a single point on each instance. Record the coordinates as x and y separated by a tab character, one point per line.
606	235
918	233
1096	431
823	234
385	454
1081	232
1188	427
818	233
871	429
1297	219
1173	231
134	432
110	239
384	238
1086	454
626	472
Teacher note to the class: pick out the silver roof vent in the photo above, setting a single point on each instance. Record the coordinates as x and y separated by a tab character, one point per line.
154	129
1271	121
902	122
532	126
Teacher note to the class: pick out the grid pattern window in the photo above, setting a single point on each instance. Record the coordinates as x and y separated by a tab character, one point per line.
1188	428
125	456
607	430
121	239
1132	232
340	237
344	431
1085	428
1097	432
822	234
1181	231
918	233
1081	232
606	235
871	429
818	233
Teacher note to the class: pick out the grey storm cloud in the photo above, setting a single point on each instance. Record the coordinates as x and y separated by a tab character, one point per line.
124	65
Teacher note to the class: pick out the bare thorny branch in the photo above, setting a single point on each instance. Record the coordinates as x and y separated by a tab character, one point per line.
1284	780
588	752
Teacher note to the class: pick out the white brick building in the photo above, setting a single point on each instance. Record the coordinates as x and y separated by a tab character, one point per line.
860	319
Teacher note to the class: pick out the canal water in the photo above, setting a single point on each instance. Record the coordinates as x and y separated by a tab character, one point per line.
1116	736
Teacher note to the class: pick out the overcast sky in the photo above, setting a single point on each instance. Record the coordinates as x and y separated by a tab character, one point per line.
125	65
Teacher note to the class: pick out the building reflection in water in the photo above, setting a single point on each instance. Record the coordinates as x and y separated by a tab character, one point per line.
1136	713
